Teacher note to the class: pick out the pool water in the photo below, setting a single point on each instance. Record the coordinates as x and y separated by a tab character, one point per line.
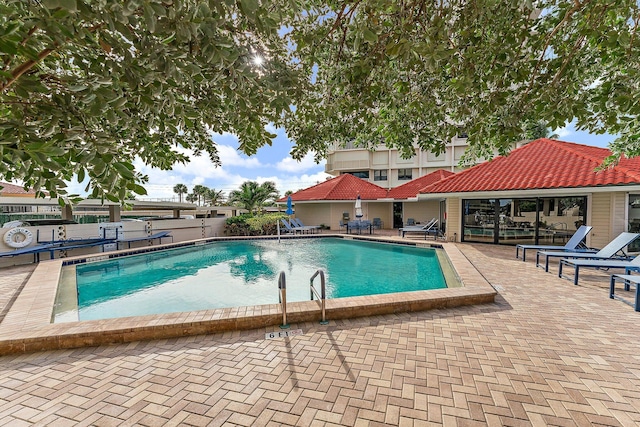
241	273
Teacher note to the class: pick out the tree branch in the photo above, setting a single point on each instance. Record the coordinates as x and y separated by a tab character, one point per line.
576	5
26	66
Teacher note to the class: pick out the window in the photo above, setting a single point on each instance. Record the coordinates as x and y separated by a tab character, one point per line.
360	174
380	175
404	174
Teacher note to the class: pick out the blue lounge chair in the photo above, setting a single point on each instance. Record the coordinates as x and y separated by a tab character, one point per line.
574	244
298	224
609	251
288	228
429	228
157	236
632	265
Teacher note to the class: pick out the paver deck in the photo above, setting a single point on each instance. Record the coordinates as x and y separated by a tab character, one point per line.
546	353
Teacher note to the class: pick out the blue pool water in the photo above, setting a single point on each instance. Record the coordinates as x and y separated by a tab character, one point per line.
241	273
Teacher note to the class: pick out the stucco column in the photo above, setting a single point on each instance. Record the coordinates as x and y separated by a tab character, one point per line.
67	212
114	213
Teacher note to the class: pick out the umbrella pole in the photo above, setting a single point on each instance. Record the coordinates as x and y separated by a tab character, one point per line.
278	226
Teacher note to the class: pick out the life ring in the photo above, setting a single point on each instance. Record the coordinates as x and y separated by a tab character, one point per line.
18	237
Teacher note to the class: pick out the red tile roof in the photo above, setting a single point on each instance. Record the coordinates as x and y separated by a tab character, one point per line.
343	187
542	164
412	188
10	189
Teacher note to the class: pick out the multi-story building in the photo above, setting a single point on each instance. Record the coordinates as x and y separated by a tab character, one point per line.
386	167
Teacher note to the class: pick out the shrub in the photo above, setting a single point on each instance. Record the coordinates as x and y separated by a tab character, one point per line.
250	225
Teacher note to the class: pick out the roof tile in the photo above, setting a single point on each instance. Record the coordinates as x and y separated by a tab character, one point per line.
542	164
9	189
412	188
343	187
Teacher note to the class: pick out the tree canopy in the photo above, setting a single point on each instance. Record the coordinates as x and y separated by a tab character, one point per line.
252	195
86	87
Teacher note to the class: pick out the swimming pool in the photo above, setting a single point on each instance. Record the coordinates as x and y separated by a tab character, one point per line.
242	273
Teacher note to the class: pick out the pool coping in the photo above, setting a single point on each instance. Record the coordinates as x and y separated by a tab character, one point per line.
27	325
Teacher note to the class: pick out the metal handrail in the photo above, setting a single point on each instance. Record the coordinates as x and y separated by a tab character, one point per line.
322	296
282	298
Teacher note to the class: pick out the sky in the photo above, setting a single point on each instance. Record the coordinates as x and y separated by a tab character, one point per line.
271	163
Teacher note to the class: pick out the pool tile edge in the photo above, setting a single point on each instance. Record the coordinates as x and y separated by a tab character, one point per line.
30	330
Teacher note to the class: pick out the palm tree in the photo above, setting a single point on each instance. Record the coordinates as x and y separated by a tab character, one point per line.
268	192
192	198
200	191
246	196
252	195
180	189
213	197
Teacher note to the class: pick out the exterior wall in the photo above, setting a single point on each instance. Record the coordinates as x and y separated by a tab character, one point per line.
315	214
331	213
454	220
619	214
422	212
382	210
601	219
343	160
608	217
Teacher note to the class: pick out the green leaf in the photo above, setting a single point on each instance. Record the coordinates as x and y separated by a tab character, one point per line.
149	18
69	5
249	7
51	4
370	36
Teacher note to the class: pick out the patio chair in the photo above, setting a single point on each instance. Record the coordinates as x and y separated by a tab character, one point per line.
609	251
574	244
428	228
632	265
297	223
411	221
288	228
377	223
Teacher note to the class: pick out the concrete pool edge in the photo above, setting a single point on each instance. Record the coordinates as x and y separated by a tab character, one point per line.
27	326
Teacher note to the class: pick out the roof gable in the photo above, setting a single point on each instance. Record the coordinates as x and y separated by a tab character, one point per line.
11	189
343	187
413	187
542	164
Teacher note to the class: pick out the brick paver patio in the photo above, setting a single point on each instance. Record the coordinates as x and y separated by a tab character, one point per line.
546	353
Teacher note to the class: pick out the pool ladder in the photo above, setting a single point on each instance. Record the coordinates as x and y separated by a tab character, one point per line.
282	296
322	296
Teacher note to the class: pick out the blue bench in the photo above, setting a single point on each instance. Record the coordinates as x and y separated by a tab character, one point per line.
157	236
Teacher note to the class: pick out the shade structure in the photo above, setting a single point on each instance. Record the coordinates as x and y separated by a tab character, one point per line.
359	207
289	210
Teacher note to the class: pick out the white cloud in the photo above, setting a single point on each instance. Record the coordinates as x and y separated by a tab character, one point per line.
291	165
229	156
563	132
